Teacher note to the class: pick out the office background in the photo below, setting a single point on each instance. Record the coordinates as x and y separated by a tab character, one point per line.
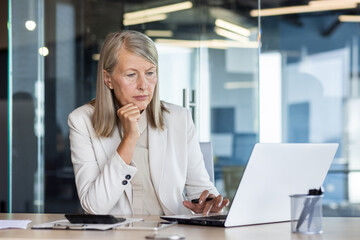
300	83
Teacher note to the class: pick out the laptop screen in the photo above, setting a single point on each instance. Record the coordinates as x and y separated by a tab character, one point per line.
275	171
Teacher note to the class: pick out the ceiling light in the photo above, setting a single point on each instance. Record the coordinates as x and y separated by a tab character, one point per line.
239	85
159	33
30	25
215	43
179	42
153	18
44	51
159	10
96	56
301	9
230	35
232	27
349	18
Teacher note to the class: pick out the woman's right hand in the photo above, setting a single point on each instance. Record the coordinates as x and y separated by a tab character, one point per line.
129	116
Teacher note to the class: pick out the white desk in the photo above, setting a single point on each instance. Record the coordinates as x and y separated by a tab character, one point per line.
334	228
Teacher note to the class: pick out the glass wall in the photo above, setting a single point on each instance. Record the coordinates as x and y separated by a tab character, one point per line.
208	62
312	60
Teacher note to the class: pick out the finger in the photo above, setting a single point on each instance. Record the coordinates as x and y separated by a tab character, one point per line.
127	108
208	207
195	207
203	197
218	207
127	105
219	200
132	114
224	203
191	206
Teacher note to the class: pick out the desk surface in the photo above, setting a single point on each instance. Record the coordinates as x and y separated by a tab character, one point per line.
334	228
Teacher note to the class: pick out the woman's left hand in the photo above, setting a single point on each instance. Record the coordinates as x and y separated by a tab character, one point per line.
214	205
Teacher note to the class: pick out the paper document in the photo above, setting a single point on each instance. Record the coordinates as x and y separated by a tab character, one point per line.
66	225
4	224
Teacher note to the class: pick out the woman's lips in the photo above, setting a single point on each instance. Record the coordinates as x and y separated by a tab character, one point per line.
141	97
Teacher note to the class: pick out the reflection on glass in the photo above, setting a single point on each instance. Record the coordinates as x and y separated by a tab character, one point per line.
24	152
320	88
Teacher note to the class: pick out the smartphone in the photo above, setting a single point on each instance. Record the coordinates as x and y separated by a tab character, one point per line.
93	219
165	236
196	200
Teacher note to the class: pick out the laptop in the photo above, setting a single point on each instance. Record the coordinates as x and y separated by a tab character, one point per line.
274	171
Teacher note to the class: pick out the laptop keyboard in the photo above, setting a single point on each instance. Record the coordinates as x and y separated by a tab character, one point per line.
216	217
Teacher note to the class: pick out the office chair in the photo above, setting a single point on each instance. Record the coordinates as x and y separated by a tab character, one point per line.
243	144
207	152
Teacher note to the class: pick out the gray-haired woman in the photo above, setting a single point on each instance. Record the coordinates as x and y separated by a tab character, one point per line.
132	153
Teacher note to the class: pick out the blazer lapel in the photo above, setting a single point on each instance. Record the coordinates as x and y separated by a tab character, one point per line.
157	151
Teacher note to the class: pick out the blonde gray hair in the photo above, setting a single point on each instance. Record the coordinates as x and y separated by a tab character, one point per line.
104	118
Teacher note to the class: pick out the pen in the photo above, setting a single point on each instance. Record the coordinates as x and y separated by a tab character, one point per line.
303	214
308	208
196	200
311	211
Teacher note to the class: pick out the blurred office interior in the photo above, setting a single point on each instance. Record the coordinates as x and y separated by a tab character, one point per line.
250	71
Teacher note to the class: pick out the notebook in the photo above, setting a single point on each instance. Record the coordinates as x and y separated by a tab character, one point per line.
274	171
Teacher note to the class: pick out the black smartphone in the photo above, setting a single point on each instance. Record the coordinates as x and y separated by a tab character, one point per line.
196	200
93	219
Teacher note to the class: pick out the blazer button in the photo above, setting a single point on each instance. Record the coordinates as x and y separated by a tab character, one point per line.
128	177
124	182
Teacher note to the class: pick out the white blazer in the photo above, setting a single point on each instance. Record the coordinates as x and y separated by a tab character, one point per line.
103	179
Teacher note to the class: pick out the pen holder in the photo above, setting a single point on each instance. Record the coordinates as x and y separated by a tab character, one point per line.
306	213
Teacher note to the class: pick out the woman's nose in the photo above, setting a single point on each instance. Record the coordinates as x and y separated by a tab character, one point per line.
142	81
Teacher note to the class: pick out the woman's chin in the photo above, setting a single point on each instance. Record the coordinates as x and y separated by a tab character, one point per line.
141	106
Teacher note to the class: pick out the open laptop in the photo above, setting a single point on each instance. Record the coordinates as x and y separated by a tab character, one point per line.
274	171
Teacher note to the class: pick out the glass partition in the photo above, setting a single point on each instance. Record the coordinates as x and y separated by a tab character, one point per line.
26	105
309	62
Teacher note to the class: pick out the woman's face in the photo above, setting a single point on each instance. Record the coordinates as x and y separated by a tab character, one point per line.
133	80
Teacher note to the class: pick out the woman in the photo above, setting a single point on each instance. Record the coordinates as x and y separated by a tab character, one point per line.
133	154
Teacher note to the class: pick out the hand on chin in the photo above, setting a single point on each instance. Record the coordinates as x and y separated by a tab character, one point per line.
141	105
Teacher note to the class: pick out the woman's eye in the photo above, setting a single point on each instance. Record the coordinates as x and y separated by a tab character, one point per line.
150	74
131	75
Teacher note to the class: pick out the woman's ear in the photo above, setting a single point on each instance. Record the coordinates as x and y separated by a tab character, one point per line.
107	80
